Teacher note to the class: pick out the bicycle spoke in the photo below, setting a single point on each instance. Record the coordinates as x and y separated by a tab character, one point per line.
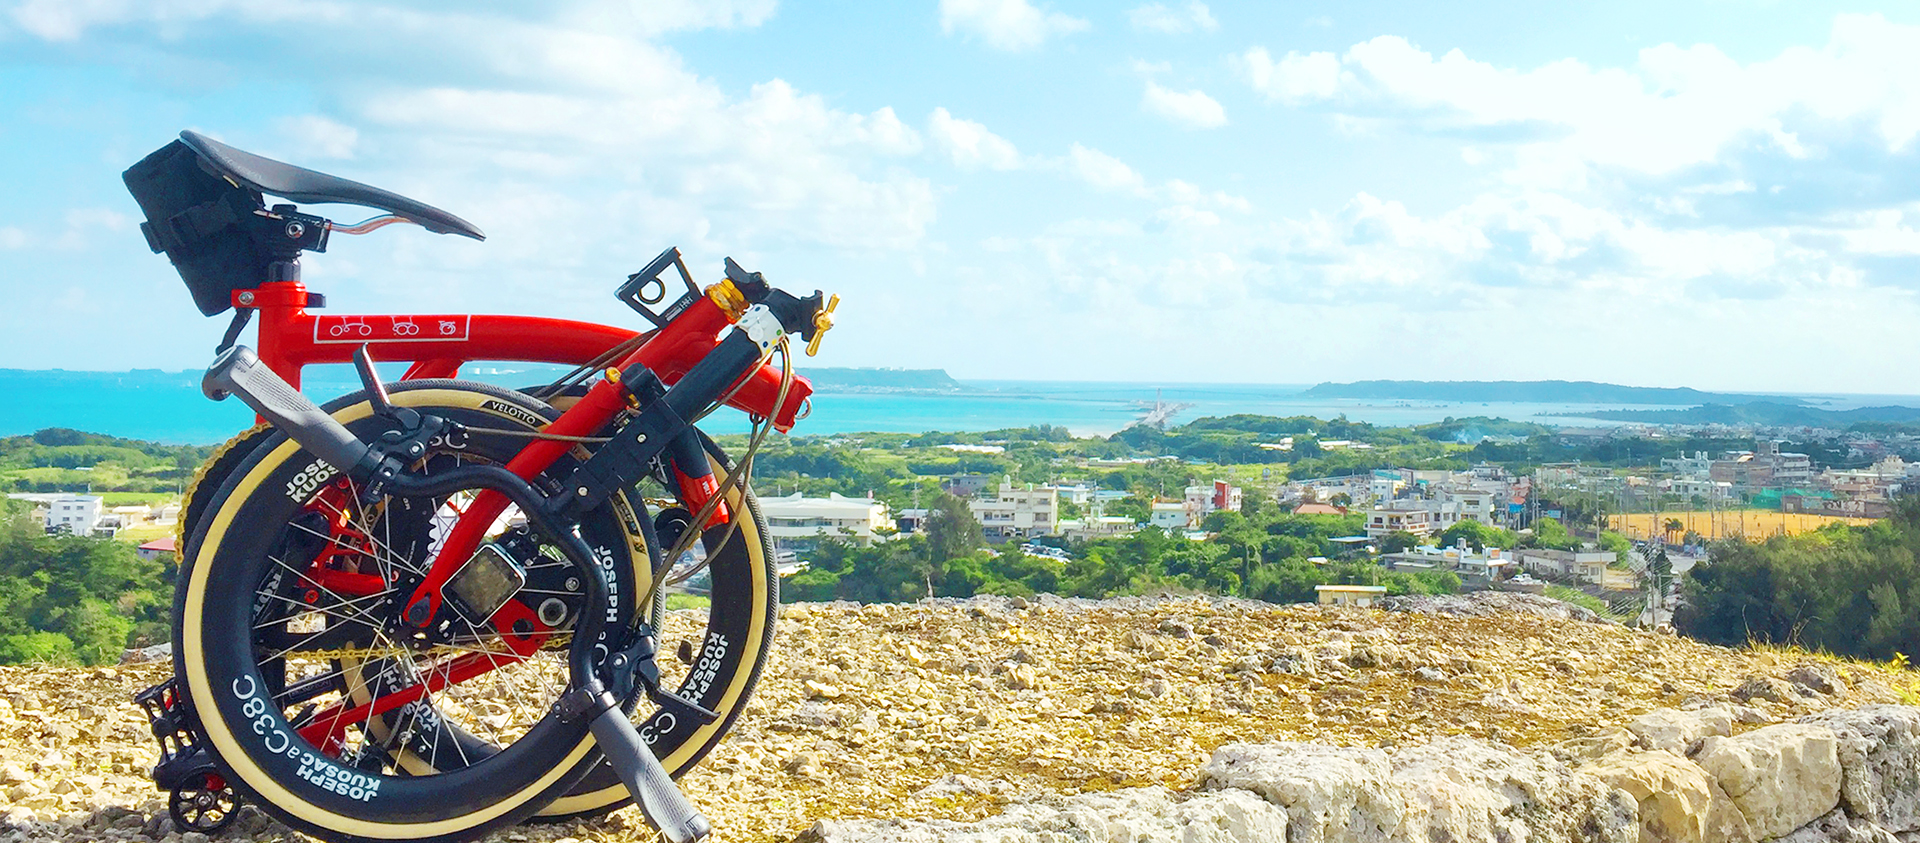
378	546
307	608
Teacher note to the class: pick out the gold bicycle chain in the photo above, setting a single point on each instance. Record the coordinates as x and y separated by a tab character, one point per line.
556	643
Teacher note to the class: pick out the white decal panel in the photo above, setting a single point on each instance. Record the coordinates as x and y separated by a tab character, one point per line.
415	328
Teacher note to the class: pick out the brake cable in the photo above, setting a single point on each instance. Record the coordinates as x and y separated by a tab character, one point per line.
736	478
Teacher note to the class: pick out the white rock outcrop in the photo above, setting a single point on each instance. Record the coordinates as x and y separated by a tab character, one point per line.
1782	777
1679	731
1331	794
1136	815
1672	795
1466	789
1879	751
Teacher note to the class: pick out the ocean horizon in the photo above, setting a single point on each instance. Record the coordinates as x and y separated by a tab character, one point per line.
168	406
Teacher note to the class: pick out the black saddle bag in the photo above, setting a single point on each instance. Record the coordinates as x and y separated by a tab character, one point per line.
202	222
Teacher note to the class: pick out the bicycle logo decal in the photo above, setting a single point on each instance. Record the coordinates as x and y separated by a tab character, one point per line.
349	328
421	328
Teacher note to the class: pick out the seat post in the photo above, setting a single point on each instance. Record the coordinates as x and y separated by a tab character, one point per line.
284	269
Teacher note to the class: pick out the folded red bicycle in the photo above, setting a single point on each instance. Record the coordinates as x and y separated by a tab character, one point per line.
431	608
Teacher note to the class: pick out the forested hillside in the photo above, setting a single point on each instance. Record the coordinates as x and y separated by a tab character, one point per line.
71	600
1852	591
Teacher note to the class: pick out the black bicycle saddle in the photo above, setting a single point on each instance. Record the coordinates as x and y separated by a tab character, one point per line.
303	185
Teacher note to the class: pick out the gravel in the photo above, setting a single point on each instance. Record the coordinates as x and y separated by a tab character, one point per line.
954	709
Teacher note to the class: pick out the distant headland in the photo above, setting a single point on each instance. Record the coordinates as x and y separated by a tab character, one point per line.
884	380
1765	413
1534	392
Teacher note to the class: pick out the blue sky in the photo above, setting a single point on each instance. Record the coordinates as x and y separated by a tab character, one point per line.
1711	194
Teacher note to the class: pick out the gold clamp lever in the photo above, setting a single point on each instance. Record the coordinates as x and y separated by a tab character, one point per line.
822	322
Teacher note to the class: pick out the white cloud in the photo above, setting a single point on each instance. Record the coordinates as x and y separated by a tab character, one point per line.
1102	170
1187	193
1675	107
971	145
1293	79
66	20
559	129
77	231
669	15
1157	17
1188	109
1011	25
319	137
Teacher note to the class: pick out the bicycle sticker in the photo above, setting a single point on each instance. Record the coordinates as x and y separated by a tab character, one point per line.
315	769
513	411
708	668
309	480
416	328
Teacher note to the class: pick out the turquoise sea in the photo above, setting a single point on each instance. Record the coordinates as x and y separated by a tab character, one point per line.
168	406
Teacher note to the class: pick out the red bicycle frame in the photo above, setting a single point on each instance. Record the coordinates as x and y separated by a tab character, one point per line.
437	345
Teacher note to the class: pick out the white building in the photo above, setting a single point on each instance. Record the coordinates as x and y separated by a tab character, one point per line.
1385	485
1463	503
75	514
1382	522
1587	566
1098	527
1697	467
1201	501
798	523
1357	596
1168	515
1017	512
1689	487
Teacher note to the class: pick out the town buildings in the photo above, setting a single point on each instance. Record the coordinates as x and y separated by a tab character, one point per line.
797	523
1016	512
1201	501
1588	566
76	515
1766	467
1168	515
1356	596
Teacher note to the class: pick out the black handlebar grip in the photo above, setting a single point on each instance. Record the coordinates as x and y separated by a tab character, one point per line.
238	371
659	798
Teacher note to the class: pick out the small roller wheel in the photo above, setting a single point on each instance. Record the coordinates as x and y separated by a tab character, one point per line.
206	806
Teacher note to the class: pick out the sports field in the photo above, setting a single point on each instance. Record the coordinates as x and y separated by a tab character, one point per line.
1750	523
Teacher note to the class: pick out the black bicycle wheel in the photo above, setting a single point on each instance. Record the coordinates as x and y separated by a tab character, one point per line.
207	481
287	608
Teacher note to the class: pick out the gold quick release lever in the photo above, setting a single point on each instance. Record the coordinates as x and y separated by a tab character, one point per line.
822	322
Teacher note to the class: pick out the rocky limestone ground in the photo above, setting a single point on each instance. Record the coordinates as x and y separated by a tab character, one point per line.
890	722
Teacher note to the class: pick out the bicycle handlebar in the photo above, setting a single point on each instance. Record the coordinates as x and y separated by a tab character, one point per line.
238	371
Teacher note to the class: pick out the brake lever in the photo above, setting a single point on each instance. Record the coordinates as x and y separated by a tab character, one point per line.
406	417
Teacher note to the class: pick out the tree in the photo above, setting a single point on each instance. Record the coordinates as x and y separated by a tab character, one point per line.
1673	527
1398	541
1287	581
37	648
1069	510
1477	535
952	532
1136	507
1549	534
